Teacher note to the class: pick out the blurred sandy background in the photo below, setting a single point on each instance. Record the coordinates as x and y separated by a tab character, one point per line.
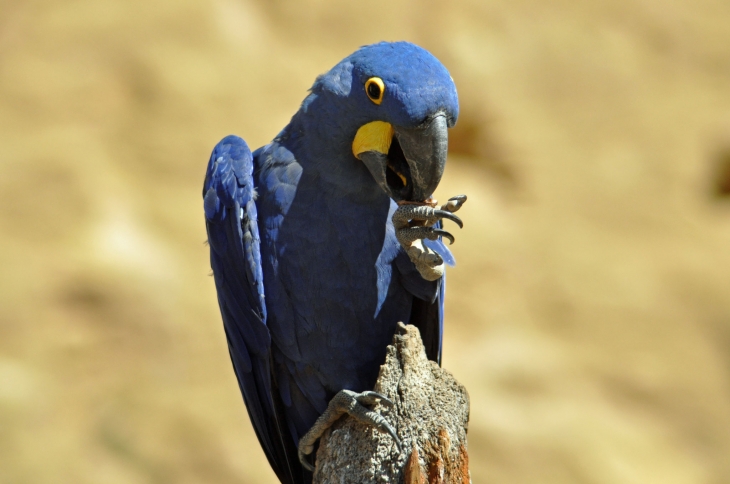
589	315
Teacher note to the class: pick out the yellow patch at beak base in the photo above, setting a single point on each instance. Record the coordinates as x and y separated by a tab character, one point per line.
374	136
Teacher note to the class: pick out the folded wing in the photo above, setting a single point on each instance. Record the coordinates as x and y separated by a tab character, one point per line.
235	257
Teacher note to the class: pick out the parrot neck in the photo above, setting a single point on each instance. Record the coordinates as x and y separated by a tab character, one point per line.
324	149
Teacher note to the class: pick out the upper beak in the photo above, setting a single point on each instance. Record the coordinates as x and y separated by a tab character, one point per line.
407	163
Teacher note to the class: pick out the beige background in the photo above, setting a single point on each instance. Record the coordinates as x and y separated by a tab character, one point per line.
589	314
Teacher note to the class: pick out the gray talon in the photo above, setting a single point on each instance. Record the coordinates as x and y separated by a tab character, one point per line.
305	463
371	398
454	203
443	234
392	433
450	216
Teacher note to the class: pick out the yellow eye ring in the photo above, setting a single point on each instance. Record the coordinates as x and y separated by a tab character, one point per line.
375	89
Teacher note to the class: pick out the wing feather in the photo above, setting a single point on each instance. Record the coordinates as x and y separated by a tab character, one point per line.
235	257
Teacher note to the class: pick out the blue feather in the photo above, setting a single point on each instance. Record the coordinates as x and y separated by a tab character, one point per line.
440	248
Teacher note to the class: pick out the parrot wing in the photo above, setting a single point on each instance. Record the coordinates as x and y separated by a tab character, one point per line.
233	235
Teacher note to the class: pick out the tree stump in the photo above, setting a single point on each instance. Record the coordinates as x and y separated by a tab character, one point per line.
430	415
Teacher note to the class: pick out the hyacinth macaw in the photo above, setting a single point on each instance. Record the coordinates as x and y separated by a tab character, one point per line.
327	237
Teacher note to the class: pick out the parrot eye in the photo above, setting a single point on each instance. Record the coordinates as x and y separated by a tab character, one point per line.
375	89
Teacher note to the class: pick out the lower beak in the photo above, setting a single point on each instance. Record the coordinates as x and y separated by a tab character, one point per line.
408	167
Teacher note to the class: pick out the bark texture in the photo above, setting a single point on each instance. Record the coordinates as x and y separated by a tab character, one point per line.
430	416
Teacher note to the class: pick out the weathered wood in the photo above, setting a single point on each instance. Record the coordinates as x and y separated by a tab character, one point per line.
430	415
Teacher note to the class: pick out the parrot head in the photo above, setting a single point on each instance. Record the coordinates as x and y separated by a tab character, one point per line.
389	105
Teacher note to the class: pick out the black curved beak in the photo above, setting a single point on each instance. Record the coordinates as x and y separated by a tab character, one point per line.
415	162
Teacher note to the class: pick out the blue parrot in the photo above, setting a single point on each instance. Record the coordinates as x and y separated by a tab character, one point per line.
324	239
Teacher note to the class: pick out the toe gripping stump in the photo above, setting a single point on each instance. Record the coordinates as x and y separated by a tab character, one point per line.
414	433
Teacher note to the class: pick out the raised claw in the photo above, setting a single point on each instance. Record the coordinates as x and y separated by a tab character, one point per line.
450	216
409	235
415	222
454	203
443	234
406	214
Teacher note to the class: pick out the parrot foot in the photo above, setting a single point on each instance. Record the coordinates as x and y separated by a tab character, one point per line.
353	404
413	223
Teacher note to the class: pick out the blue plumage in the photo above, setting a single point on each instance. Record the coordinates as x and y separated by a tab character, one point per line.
302	222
